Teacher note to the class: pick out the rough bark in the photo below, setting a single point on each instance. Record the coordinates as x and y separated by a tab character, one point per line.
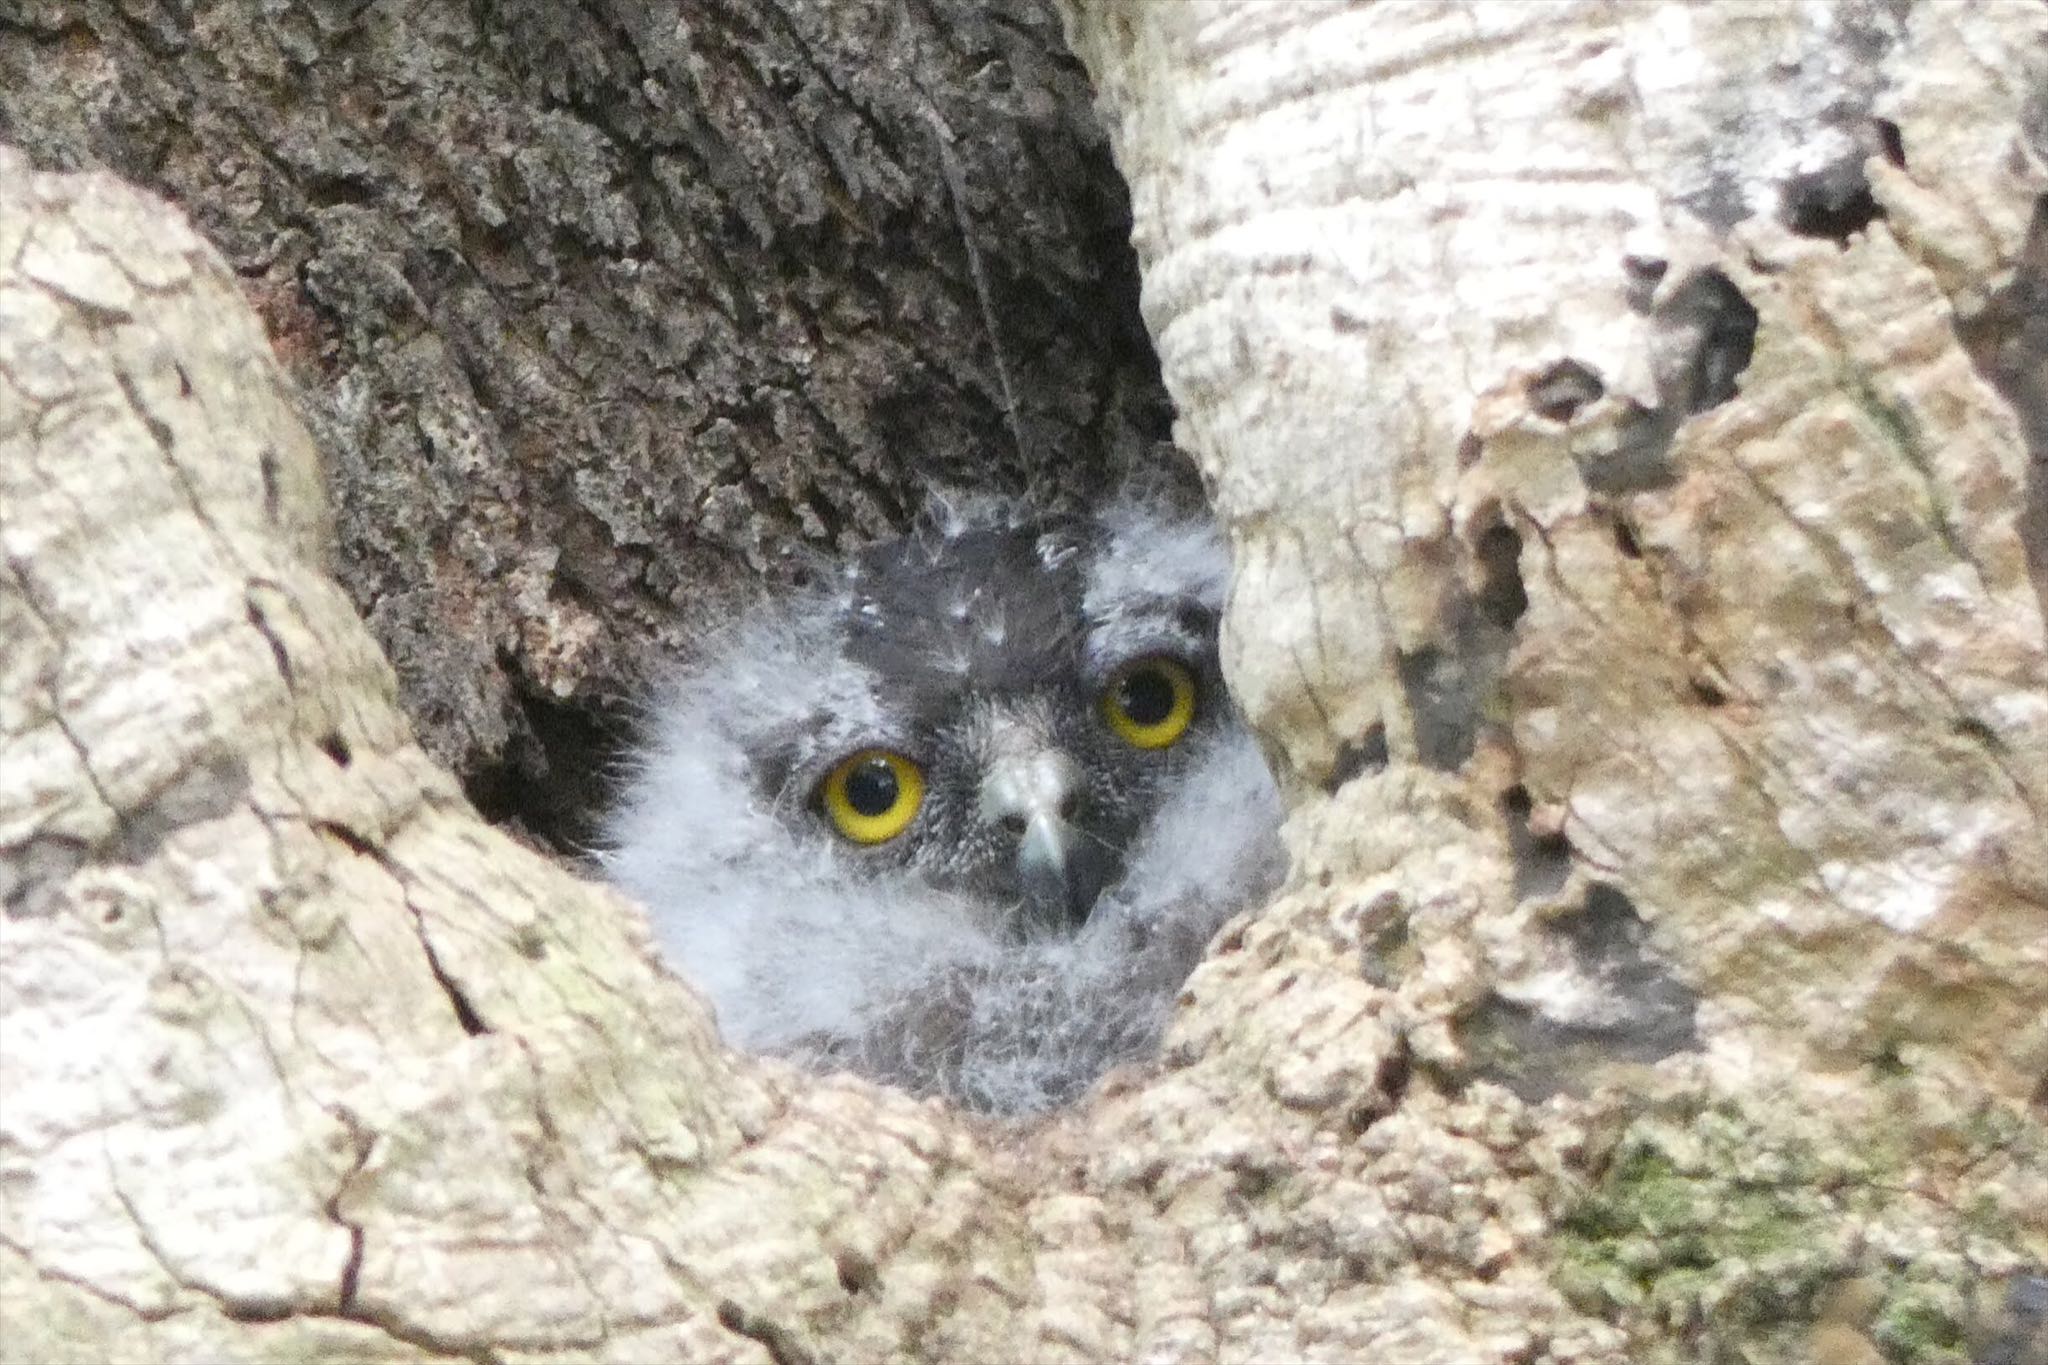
598	310
1623	414
1650	653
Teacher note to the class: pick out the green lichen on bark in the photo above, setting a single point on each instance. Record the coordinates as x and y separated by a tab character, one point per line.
1921	1323
1723	1231
1707	1211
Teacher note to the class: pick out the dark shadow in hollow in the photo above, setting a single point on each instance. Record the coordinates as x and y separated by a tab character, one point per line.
2008	342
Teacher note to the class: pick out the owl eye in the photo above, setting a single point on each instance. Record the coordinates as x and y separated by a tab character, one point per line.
1150	703
873	795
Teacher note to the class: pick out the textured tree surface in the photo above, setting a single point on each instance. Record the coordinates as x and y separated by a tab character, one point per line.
597	310
1622	418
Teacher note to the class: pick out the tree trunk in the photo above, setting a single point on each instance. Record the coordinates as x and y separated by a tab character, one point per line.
599	310
1622	418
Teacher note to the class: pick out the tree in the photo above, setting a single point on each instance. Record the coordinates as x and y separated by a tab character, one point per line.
599	311
1622	416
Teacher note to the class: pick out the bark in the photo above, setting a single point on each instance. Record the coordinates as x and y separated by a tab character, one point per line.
1621	417
599	311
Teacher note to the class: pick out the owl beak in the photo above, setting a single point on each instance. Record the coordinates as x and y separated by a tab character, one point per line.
1057	867
1058	889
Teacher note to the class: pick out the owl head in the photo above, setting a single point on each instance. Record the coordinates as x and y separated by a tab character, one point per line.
997	708
994	747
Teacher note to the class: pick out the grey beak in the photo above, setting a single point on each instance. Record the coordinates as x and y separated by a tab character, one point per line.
1058	868
1050	874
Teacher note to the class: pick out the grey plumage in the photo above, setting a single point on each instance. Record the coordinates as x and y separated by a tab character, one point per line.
1008	681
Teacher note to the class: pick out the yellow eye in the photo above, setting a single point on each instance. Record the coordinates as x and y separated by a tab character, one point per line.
873	795
1150	703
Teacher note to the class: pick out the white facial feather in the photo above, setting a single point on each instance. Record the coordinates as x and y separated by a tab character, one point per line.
807	950
1146	557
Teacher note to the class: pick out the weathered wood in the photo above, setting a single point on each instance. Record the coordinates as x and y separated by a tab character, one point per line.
1660	701
1622	416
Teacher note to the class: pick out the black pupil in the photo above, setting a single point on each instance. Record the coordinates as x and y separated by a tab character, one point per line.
871	787
1146	696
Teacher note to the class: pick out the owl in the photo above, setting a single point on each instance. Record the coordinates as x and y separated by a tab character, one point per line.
962	815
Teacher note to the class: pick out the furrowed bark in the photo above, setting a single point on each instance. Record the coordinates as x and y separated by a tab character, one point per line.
1621	415
604	312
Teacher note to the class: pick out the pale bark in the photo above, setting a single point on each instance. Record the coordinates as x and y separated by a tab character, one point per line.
1683	767
1736	695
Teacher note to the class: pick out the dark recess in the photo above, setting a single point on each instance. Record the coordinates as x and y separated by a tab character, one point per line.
1706	694
776	1340
458	999
1707	335
1977	732
1639	461
1833	204
1502	597
1542	861
33	874
1390	1087
1366	754
557	778
1612	941
1650	1012
1560	391
2008	342
856	1272
347	838
1644	274
1443	701
1625	540
1724	326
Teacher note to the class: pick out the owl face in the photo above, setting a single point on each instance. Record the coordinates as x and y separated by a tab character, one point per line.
1000	709
963	816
